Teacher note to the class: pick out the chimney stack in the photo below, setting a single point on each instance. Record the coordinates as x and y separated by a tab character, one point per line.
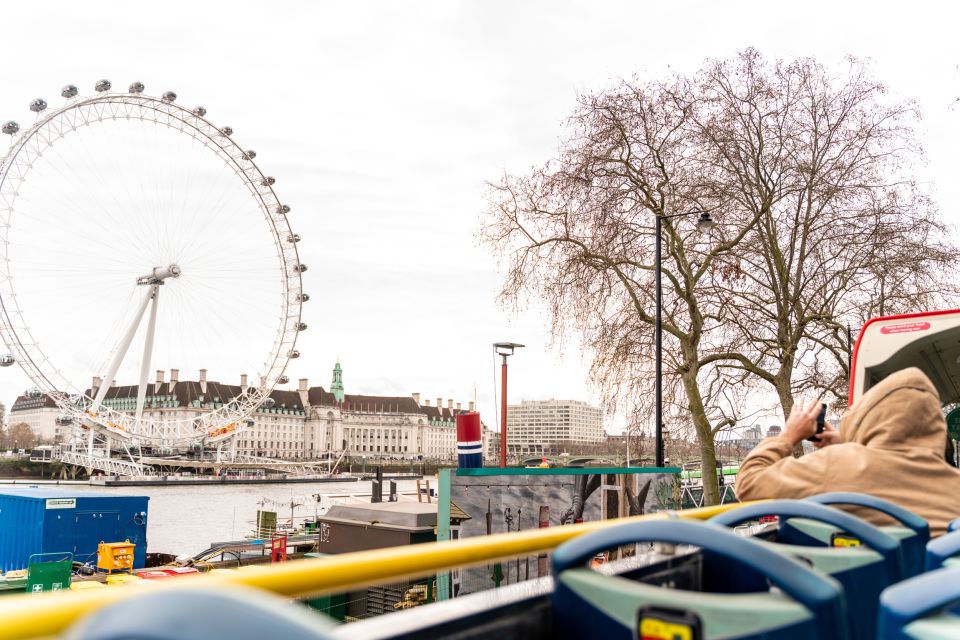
426	403
458	406
439	403
203	381
243	382
174	376
471	405
450	404
304	384
97	381
159	377
113	383
416	398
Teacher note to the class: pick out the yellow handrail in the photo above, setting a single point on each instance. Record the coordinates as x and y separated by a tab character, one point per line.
32	616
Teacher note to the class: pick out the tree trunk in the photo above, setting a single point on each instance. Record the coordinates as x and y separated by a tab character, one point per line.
708	455
786	403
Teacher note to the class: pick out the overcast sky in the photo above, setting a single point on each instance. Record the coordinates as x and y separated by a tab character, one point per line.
383	120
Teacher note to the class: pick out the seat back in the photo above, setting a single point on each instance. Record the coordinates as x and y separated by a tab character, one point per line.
805	603
913	531
865	569
193	613
918	608
942	552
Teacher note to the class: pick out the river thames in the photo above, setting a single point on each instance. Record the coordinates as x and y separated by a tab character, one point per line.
185	520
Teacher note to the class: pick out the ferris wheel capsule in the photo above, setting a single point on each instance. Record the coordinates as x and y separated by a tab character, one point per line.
102	85
303	297
293	353
269	403
200	111
10	127
250	154
64	420
284	209
268	181
227	131
136	87
293	238
69	91
7	360
38	105
169	96
300	268
283	380
301	326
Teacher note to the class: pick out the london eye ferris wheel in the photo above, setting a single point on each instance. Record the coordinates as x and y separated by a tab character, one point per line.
136	233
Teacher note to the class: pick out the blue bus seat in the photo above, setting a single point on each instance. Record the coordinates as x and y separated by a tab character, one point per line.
864	570
192	613
943	552
913	532
793	601
918	608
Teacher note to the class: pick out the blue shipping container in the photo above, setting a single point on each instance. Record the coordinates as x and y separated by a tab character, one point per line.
36	520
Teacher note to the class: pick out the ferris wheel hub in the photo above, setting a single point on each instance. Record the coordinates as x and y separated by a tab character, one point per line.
159	274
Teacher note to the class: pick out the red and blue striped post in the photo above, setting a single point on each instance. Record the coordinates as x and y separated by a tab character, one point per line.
469	441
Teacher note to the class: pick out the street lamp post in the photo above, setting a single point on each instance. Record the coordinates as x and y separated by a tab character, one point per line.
504	349
704	223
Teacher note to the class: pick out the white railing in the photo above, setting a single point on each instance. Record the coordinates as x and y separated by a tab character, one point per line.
110	466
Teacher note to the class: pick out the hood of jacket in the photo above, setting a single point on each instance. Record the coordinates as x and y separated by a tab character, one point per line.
901	412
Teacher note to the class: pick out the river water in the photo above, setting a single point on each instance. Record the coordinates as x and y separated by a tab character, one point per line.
185	520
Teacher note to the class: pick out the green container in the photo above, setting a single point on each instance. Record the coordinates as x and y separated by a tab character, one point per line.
49	572
333	605
266	524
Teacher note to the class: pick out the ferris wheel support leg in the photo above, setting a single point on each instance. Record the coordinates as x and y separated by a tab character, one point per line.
154	293
115	365
121	352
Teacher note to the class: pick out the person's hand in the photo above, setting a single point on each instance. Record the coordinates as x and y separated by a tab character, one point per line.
802	422
828	437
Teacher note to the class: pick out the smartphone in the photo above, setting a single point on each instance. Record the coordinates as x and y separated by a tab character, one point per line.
821	422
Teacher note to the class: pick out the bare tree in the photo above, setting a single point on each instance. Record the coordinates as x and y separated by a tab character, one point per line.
844	234
820	222
578	234
19	436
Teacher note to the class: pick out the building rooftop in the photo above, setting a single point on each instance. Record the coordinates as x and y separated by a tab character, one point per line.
42	493
416	515
186	393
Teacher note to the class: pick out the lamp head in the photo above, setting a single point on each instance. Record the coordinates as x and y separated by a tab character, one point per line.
506	348
705	222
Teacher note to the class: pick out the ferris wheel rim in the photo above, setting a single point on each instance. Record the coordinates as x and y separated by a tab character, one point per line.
218	422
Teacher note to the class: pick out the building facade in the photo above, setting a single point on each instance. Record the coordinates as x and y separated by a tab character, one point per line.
537	427
39	412
294	425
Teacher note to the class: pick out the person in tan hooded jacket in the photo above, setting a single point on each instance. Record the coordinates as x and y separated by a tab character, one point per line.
890	445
